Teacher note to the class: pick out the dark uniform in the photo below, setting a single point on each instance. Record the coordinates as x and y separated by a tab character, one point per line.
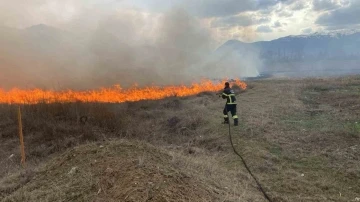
229	95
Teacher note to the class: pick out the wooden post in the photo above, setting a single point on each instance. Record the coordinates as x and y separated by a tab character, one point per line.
21	136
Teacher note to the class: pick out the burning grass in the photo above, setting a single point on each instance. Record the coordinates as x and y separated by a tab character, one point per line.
110	95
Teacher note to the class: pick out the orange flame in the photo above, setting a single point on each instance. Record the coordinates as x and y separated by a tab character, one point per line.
109	95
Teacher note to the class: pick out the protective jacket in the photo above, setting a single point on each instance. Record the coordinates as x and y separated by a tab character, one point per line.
229	95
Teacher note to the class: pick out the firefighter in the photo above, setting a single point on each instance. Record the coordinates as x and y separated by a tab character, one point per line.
230	106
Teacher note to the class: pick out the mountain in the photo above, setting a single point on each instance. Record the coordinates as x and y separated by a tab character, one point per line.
318	54
302	47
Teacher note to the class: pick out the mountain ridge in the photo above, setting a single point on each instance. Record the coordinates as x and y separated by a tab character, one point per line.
295	47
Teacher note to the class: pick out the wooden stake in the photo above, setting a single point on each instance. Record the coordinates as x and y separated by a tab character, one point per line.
21	136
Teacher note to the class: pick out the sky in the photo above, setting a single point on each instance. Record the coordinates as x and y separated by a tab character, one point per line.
245	20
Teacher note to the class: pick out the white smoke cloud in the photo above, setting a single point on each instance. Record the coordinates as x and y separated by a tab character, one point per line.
97	45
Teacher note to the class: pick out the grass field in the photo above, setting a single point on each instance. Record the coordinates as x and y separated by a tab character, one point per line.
300	137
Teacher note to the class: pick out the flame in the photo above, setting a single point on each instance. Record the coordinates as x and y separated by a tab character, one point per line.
110	95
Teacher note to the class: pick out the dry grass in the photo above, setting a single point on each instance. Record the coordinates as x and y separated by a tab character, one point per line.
300	137
116	171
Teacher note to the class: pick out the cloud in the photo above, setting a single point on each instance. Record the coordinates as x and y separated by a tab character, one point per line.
346	15
214	8
307	30
298	5
24	13
242	20
285	14
321	5
262	20
287	8
264	29
277	24
289	2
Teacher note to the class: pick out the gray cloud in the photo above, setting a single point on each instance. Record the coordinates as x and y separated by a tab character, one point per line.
285	14
298	5
319	5
345	28
262	20
216	8
288	2
264	29
288	7
307	30
277	24
24	13
267	11
346	15
239	20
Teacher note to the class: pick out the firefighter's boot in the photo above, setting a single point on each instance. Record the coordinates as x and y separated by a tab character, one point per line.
226	120
236	122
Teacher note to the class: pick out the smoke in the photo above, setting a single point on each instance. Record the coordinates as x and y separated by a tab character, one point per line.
235	59
99	47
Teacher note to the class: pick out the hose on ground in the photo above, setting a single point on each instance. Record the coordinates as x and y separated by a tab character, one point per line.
245	164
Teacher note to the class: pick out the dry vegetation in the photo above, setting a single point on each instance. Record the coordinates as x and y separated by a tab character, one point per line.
301	138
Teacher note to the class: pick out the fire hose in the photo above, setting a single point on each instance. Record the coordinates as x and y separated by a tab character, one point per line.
245	164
